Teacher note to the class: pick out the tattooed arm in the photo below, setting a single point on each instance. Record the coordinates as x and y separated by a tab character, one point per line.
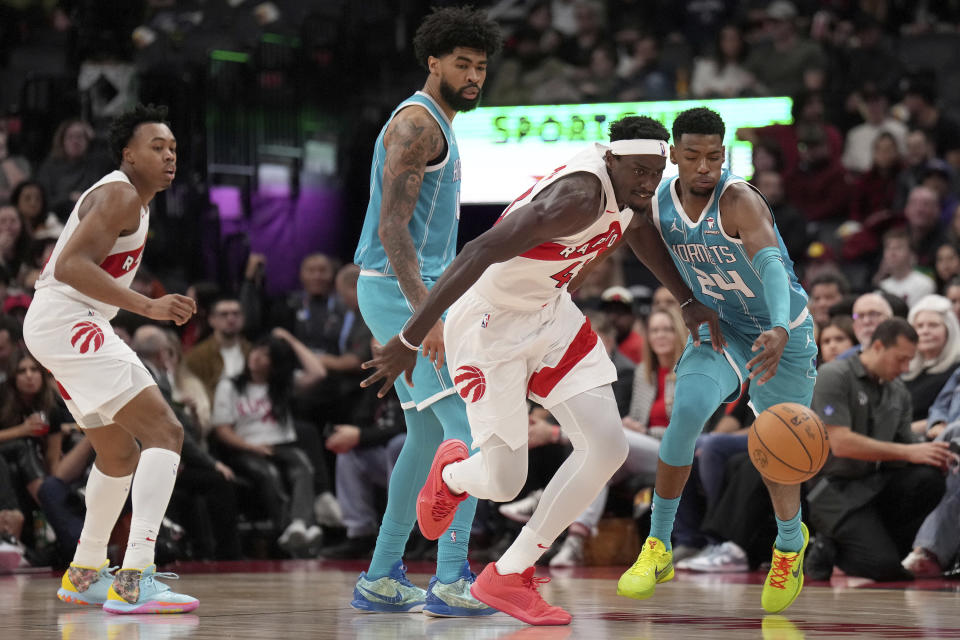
412	140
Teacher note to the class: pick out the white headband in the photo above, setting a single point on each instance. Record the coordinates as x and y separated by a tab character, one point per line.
642	147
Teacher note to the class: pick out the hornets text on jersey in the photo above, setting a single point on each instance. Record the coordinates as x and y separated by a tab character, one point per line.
715	266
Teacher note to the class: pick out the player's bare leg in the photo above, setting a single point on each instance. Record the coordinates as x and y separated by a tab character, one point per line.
149	419
785	579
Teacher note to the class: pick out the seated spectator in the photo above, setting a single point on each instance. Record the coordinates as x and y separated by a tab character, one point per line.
723	75
11	333
947	265
197	328
817	185
623	386
201	477
923	223
790	222
919	152
866	505
224	353
836	336
30	419
952	294
13	169
600	81
826	289
860	149
938	354
646	77
897	274
869	310
781	66
920	99
15	241
366	453
11	521
650	409
252	418
617	304
71	168
30	200
871	211
187	389
528	76
937	544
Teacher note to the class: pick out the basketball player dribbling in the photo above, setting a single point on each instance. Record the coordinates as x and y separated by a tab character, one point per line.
108	390
409	237
513	332
725	243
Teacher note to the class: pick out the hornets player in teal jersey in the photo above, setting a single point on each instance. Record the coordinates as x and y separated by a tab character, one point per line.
409	237
724	241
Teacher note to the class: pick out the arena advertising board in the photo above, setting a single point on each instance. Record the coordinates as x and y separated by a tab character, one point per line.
503	150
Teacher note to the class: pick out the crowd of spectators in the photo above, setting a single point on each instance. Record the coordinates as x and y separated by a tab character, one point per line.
284	453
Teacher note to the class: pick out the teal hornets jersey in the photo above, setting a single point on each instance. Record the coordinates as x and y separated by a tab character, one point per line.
716	267
436	217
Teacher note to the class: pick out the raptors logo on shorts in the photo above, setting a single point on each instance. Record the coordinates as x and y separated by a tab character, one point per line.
471	385
85	335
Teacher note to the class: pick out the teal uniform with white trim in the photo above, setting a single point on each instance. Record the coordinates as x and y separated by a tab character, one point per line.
432	409
722	276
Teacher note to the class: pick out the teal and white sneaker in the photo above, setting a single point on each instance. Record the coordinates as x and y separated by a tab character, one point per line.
86	585
136	591
392	593
454	600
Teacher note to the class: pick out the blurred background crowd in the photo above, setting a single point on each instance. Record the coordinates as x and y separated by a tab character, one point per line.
276	106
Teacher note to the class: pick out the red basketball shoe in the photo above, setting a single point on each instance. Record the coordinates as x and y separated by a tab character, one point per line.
436	504
516	594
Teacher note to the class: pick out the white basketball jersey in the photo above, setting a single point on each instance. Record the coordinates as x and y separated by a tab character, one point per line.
121	263
535	278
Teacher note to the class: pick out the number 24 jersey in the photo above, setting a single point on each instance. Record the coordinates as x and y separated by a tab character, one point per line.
715	266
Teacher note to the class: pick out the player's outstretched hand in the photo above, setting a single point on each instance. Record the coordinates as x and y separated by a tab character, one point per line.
172	306
390	361
433	345
770	344
695	314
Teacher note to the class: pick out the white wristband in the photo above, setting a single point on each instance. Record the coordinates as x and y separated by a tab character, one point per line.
406	343
686	302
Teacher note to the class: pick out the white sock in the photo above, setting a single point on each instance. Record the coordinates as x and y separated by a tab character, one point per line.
152	486
105	498
523	553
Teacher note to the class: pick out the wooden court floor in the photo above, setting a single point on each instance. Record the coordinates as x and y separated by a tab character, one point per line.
308	599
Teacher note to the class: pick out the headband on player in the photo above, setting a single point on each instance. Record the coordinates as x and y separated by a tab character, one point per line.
643	147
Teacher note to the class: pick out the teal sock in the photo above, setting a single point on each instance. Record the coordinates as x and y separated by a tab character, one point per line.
789	534
452	550
661	520
390	544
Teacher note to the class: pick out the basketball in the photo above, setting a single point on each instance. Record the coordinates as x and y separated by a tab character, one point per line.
788	443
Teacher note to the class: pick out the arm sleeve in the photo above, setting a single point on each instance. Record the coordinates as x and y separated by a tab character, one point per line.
776	286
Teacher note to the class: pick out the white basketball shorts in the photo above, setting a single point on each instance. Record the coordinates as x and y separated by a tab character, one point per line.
97	373
499	357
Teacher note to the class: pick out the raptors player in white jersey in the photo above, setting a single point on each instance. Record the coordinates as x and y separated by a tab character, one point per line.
513	333
110	393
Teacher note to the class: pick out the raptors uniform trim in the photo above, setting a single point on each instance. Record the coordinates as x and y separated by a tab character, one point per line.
70	333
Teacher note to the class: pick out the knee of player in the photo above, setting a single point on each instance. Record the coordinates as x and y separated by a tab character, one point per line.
505	489
170	432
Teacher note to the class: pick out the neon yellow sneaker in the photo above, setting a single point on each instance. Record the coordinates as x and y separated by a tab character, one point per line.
785	580
653	565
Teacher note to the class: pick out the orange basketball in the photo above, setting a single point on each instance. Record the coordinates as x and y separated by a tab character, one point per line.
788	443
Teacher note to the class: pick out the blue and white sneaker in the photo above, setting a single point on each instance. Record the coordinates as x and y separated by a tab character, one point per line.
454	600
392	593
136	591
86	585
